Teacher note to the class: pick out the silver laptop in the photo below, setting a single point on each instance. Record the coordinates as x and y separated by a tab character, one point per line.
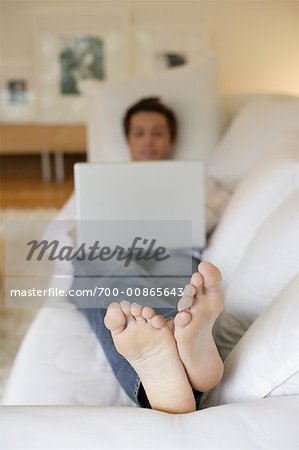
168	192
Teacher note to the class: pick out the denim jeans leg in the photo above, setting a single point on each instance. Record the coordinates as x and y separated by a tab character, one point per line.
122	369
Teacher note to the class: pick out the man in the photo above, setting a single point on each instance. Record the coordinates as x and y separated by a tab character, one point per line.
151	129
163	361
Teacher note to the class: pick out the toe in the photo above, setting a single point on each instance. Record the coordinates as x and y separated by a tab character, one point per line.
136	311
182	319
211	276
197	281
148	312
115	319
126	308
188	297
189	290
158	321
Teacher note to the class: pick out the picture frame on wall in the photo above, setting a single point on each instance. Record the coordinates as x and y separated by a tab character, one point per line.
17	92
72	46
158	47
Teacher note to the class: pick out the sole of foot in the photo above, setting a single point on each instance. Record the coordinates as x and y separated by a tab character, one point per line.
201	304
145	340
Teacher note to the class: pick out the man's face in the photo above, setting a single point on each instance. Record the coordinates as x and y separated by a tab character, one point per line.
149	137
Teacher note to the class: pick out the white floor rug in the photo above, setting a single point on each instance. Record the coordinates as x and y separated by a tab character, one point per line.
14	322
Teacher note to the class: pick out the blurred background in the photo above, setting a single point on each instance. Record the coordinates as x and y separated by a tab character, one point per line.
48	46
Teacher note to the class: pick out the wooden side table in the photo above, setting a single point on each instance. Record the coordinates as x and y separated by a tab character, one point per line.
44	139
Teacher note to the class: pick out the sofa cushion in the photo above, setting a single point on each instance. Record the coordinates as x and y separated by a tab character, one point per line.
61	362
266	358
259	123
190	91
266	186
269	263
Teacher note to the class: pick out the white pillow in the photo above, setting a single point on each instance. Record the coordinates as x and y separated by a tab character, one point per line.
190	91
266	358
289	386
266	186
217	199
269	263
259	123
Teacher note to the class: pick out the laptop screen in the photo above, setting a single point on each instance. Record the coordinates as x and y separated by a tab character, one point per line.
166	191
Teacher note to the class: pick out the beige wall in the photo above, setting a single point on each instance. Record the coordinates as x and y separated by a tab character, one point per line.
257	40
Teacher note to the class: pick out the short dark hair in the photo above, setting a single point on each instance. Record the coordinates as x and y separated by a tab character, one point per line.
151	104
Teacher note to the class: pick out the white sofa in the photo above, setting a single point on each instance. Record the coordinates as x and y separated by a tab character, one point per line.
62	393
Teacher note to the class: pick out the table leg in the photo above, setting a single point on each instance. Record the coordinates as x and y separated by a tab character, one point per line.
59	167
46	166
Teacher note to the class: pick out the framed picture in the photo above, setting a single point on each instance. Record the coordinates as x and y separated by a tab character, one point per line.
158	47
72	46
17	92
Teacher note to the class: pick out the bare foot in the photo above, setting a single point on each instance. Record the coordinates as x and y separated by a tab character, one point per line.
145	340
201	304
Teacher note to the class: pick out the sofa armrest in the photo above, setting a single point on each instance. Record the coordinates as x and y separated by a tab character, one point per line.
262	424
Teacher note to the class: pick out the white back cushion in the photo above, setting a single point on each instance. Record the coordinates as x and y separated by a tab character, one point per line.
271	180
291	384
190	91
269	263
259	123
266	358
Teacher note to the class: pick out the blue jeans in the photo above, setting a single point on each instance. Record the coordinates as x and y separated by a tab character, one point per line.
123	371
